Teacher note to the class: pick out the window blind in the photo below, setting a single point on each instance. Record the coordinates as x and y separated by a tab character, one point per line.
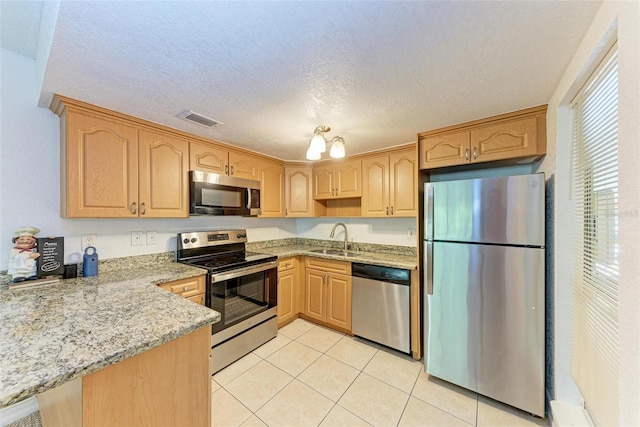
595	189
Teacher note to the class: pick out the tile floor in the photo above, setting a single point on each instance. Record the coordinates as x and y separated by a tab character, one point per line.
312	376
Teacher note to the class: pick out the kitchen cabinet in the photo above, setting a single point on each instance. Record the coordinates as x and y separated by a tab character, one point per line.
221	160
519	136
192	288
288	291
337	180
298	188
114	168
327	293
389	185
167	385
271	188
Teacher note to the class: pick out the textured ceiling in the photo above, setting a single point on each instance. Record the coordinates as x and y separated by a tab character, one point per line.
377	73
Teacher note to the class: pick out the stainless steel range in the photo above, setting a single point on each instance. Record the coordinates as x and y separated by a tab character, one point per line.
241	285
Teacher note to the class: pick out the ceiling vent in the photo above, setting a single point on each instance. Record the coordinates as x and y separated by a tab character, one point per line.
198	118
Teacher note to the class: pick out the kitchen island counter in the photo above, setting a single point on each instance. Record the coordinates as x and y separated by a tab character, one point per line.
52	334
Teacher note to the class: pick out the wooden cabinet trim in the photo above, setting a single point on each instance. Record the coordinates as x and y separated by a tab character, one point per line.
330	265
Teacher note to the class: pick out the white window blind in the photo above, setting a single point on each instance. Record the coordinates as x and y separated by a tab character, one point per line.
595	189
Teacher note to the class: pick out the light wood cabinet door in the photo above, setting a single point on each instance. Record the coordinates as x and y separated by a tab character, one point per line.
442	150
403	184
323	182
208	158
243	165
338	310
163	176
288	291
187	287
315	294
298	188
375	186
99	173
271	189
518	138
348	179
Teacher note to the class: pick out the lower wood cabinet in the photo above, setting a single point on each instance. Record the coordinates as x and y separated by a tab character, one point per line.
288	291
169	385
192	289
327	293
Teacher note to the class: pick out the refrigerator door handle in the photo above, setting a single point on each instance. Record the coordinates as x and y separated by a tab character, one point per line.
428	268
428	210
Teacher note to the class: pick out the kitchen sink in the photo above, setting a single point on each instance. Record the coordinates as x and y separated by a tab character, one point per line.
338	252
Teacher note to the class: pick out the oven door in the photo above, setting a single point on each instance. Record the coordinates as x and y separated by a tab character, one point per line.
242	293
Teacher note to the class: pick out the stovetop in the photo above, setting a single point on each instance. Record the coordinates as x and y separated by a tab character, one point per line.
231	261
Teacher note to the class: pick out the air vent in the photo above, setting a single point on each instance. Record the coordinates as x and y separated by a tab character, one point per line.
198	118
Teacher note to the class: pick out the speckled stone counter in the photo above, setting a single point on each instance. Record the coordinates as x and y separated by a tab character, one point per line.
385	255
52	334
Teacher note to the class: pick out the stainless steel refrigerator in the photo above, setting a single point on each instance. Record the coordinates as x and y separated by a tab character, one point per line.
484	272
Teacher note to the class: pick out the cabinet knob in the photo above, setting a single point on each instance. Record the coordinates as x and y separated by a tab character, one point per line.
466	154
286	211
475	152
143	208
185	289
391	210
231	170
387	210
133	208
226	169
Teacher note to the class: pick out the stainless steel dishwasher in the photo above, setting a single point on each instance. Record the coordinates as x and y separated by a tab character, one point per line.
380	305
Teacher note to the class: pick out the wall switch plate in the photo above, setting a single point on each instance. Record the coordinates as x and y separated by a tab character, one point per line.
411	233
137	238
151	237
87	240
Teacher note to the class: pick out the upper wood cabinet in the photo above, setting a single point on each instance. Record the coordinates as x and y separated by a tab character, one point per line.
517	135
217	159
298	187
111	168
337	180
271	188
389	185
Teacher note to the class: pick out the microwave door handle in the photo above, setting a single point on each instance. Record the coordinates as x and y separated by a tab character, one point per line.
233	274
248	198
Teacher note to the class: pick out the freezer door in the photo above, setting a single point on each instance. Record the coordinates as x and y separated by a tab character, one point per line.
501	210
485	321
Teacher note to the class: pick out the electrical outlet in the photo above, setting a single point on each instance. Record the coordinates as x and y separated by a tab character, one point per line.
87	240
411	233
151	237
137	238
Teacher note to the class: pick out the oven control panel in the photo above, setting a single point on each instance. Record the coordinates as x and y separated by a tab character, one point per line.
201	239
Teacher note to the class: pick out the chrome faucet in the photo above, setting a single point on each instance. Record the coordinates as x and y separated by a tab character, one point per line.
346	233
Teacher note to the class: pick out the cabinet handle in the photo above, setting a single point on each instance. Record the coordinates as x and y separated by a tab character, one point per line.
143	208
387	210
286	211
475	152
226	169
466	154
185	289
231	170
391	210
134	208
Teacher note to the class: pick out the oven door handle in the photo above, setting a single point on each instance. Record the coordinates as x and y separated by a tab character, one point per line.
243	271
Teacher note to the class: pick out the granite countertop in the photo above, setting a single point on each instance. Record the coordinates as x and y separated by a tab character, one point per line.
55	333
387	256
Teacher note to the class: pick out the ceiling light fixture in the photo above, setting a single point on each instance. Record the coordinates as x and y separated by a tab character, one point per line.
318	145
337	147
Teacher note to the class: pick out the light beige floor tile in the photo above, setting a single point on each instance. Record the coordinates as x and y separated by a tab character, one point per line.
329	377
270	347
296	405
455	400
236	369
340	417
294	358
354	352
419	414
493	413
296	328
319	338
257	385
226	410
253	421
394	370
375	402
214	386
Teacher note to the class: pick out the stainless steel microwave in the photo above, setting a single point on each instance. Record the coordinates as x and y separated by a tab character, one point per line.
214	194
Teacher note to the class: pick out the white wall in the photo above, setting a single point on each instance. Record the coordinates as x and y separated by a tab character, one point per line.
30	194
626	16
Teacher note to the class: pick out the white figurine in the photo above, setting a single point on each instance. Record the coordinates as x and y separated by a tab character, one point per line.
22	257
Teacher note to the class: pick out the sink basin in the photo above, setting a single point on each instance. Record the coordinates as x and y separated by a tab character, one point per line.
338	252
